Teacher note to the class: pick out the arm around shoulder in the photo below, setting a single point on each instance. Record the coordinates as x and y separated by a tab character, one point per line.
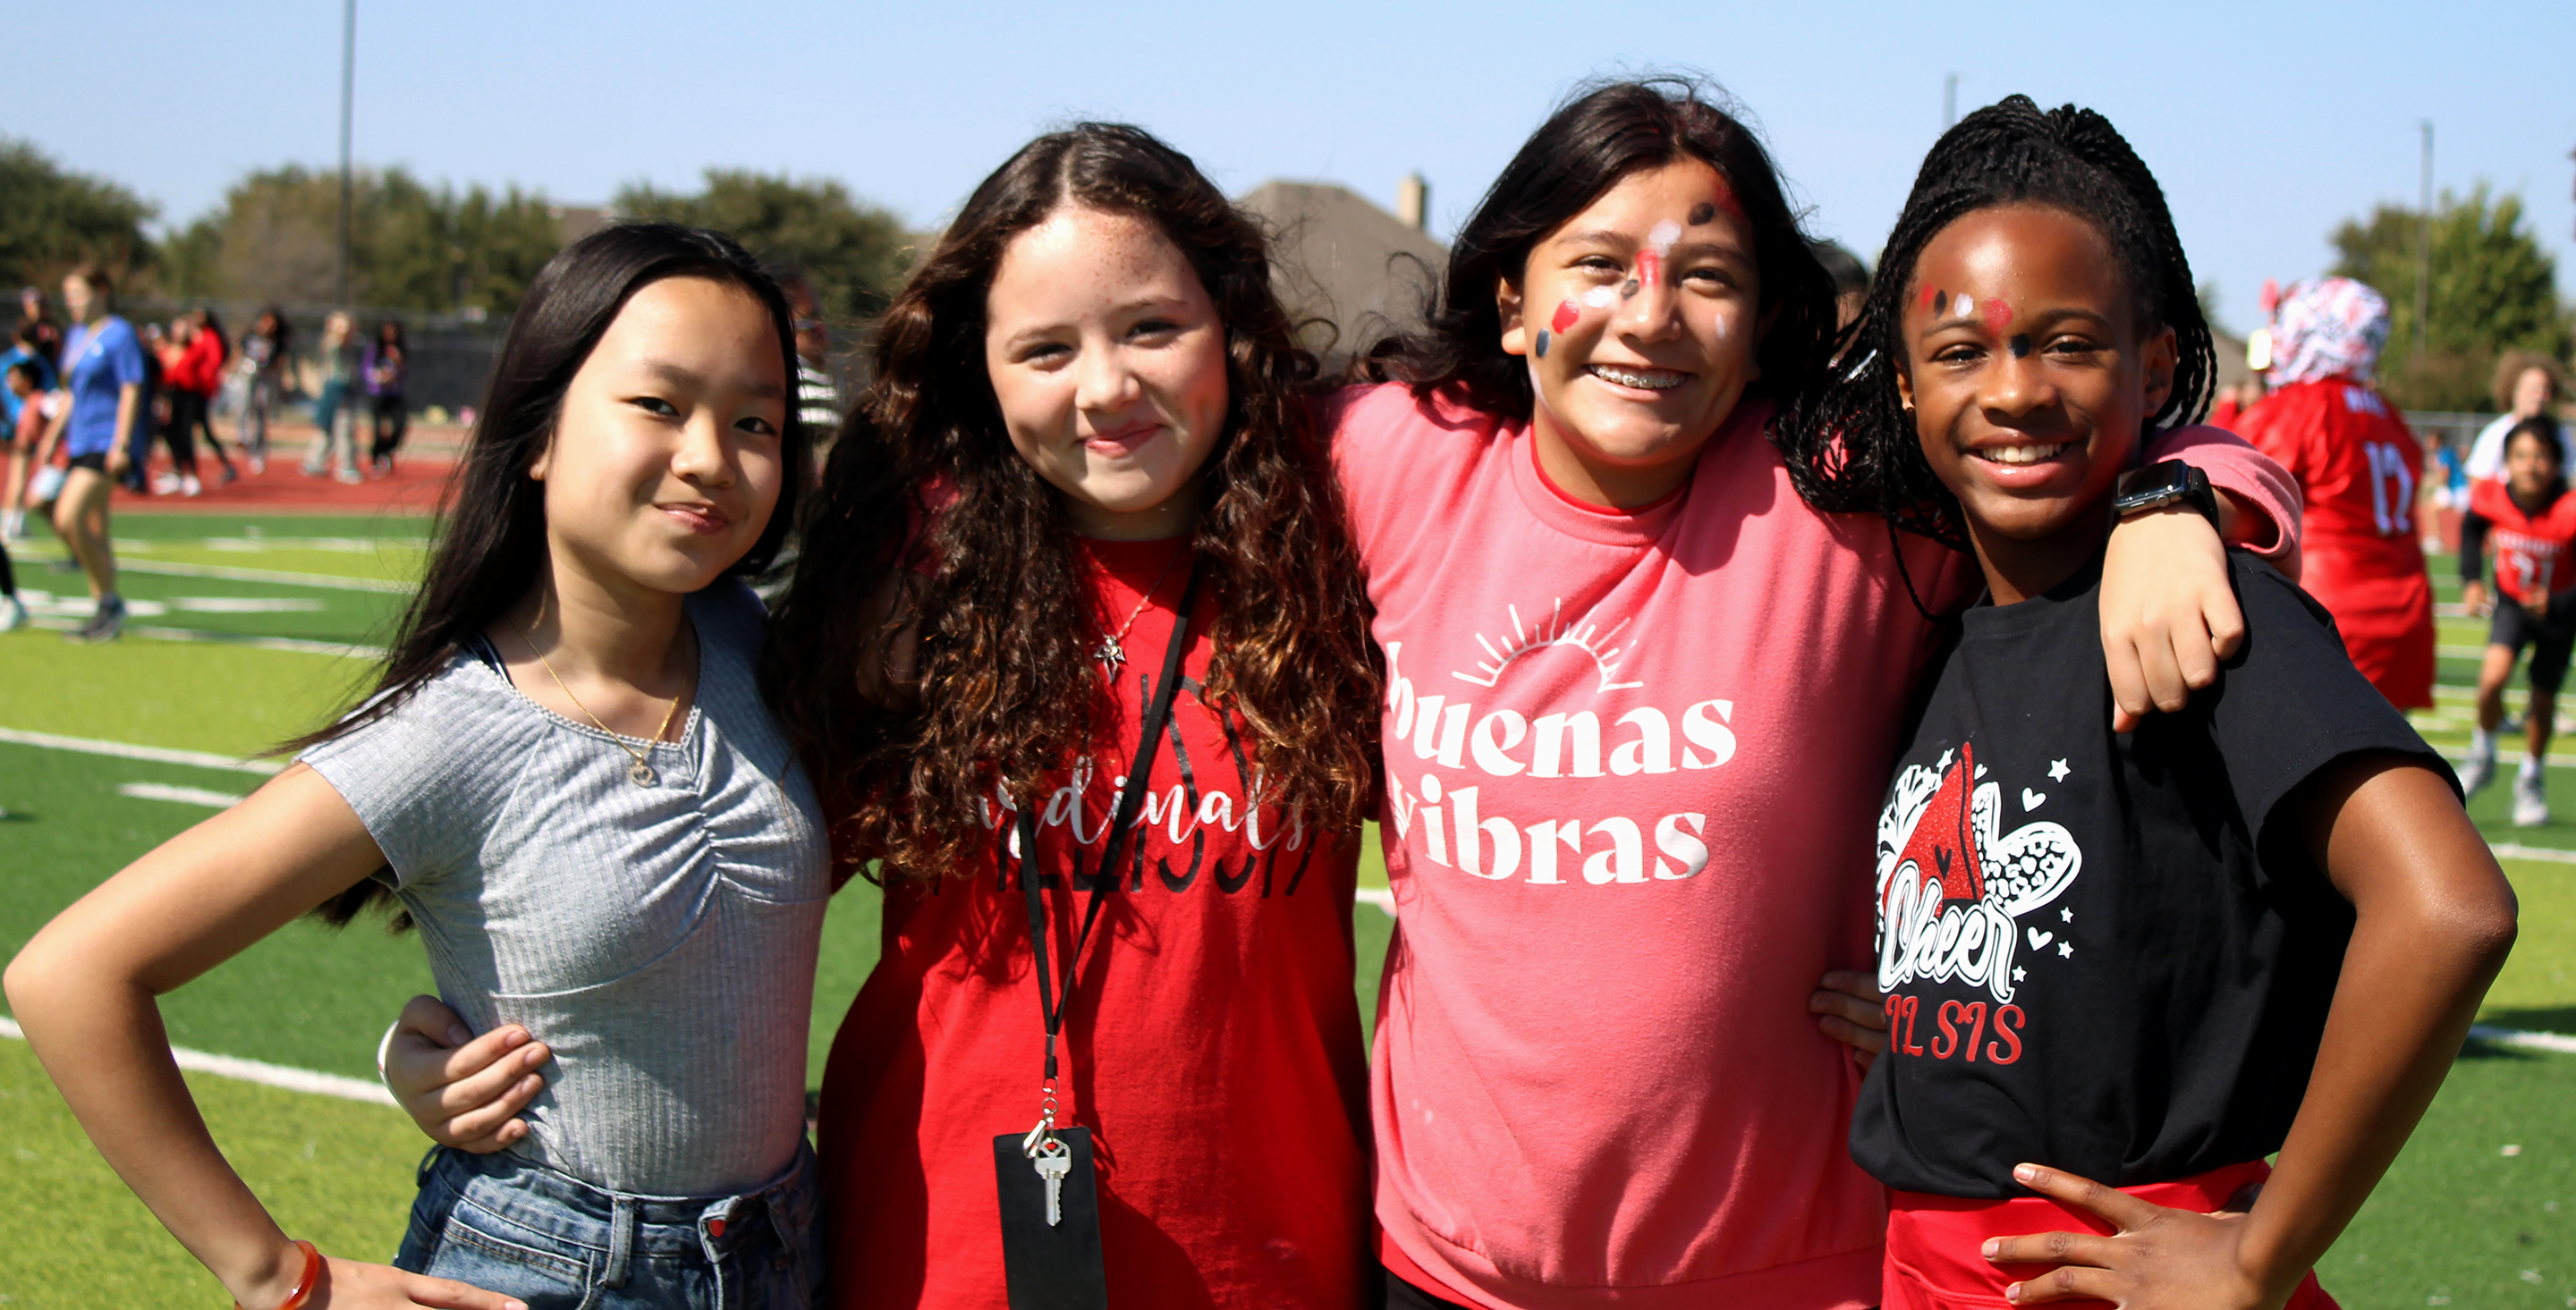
2259	501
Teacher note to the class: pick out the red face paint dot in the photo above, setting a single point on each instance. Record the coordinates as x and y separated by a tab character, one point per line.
1930	294
1650	268
1998	315
1566	314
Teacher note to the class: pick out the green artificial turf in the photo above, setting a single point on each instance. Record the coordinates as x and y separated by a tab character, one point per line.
2457	1218
2459	1222
338	1173
232	700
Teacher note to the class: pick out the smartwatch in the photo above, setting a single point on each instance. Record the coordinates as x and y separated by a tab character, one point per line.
2168	482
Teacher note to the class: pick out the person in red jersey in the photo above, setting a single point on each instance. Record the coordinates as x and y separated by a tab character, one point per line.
2355	461
2531	521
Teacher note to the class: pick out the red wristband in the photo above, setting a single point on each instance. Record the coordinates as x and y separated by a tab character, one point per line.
303	1286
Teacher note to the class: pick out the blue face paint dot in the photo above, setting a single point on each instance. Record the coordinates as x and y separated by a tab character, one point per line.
1702	213
1542	343
2019	345
1628	290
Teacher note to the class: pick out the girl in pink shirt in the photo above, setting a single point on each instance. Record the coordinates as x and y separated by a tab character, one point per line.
1646	663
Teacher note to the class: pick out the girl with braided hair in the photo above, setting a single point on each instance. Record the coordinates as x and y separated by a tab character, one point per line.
1645	667
2261	924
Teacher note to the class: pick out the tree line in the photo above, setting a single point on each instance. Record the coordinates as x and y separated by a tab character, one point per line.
470	253
466	253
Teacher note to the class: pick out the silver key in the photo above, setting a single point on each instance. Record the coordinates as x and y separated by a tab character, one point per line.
1053	1167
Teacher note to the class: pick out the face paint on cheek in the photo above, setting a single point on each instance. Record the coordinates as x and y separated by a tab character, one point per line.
1998	316
1601	297
1566	314
2019	345
1541	346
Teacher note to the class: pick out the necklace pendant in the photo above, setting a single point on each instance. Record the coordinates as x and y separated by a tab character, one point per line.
642	773
1110	654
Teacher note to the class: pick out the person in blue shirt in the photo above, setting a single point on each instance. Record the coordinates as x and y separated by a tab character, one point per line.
28	348
104	373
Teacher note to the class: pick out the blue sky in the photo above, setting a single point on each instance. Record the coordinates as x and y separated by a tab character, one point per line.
2266	123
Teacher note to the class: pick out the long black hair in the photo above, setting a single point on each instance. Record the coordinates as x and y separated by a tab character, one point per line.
1596	139
492	541
1850	430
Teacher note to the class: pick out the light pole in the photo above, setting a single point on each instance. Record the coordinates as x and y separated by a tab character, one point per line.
348	75
2422	253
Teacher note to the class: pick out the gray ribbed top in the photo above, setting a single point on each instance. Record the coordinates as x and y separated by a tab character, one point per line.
661	939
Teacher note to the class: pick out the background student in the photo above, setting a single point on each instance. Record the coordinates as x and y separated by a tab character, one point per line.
104	375
2530	520
2356	463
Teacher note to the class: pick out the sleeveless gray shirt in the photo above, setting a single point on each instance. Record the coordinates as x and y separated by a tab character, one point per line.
660	939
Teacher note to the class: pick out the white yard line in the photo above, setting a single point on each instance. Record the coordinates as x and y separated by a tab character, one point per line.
129	751
298	645
256	1071
2505	850
231	573
2559	1042
156	791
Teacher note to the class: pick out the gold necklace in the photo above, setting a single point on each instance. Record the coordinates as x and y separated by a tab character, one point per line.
642	771
1110	653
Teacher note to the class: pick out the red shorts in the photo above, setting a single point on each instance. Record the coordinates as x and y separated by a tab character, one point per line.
1932	1241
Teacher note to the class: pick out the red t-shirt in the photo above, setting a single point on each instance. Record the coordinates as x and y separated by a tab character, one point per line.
2531	550
1212	1043
2355	461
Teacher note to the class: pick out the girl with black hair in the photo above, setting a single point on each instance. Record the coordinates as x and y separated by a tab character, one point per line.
385	368
268	358
2121	968
1644	669
2531	520
568	781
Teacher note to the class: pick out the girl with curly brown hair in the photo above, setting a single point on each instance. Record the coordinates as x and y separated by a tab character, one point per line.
1088	444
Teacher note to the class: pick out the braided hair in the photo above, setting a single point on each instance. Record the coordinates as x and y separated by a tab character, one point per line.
1849	429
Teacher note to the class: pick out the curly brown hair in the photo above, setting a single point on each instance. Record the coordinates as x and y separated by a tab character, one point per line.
2510	367
924	498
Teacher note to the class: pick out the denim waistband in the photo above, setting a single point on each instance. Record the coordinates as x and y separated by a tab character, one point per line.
561	1208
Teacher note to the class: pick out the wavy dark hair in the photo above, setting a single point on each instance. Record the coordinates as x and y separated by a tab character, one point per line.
1593	141
1851	430
1007	689
492	536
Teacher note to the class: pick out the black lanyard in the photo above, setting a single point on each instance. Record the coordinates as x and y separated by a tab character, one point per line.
1052	1000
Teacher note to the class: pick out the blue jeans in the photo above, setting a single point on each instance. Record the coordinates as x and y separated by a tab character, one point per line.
505	1225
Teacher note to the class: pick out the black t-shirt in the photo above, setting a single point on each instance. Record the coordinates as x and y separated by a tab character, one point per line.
2097	954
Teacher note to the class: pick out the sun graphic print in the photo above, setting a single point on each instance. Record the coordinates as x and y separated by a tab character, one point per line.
1952	887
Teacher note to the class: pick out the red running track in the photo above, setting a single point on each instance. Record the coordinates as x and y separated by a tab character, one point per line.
416	485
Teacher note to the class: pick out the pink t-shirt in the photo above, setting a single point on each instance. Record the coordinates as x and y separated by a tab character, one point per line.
1632	761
